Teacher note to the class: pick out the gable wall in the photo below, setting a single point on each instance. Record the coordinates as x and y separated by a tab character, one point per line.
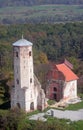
70	90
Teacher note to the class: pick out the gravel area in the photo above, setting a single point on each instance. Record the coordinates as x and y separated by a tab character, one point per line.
39	116
72	115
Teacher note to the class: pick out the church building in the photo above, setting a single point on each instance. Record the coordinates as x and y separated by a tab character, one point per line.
26	93
61	82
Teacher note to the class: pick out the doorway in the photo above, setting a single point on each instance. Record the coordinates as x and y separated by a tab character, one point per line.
55	92
32	106
18	105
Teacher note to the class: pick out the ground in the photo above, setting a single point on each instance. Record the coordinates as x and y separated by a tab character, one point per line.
74	112
67	114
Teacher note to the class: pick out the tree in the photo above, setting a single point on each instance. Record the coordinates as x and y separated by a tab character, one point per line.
74	62
43	58
13	120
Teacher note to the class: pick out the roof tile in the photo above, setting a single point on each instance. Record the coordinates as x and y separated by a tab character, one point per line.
67	72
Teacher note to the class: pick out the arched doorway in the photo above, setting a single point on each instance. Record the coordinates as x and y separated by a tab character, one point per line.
55	92
32	106
18	105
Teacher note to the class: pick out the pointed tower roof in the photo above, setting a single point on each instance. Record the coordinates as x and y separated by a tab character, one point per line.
22	42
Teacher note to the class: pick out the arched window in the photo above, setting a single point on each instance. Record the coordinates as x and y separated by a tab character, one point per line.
30	80
55	92
16	54
17	81
18	105
29	53
55	89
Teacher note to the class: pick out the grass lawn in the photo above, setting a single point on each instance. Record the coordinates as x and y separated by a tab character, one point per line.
76	106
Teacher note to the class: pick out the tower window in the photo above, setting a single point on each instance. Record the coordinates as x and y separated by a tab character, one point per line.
13	86
30	80
16	54
29	53
17	81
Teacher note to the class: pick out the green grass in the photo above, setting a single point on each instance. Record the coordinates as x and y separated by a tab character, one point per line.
79	125
76	106
76	125
51	102
3	112
32	113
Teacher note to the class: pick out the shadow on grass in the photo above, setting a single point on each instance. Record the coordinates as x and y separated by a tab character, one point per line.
5	105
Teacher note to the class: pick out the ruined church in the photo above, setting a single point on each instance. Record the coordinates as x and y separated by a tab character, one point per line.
26	93
62	82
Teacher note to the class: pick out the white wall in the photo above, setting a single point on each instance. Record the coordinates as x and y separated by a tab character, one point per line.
70	89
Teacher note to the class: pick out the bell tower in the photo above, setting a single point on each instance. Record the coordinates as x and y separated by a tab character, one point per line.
23	91
27	93
23	64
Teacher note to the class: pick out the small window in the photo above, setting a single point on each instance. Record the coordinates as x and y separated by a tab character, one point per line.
13	86
55	89
17	81
30	80
29	53
18	105
16	54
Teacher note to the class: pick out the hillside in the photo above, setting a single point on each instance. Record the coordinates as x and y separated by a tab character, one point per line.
4	3
41	14
56	41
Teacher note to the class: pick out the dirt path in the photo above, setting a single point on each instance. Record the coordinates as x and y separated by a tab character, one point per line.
67	114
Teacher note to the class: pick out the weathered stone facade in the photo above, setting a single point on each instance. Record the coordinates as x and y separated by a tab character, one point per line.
62	83
27	93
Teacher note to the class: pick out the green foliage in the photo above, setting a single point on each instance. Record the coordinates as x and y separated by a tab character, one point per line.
51	102
13	120
54	41
4	94
78	125
80	95
43	58
39	57
74	62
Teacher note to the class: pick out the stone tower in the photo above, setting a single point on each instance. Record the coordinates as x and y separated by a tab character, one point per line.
26	93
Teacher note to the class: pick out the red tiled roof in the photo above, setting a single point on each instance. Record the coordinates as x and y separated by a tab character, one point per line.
68	73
